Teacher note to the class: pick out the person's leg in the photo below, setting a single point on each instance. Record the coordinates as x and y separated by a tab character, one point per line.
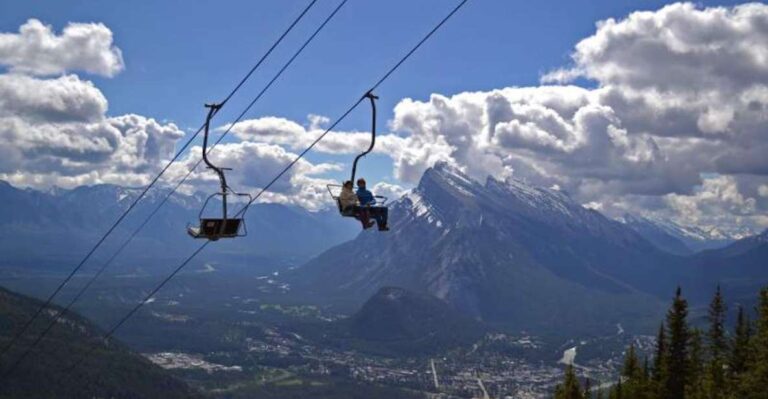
385	216
380	213
364	215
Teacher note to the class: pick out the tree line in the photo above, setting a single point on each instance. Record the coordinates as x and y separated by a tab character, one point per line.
691	363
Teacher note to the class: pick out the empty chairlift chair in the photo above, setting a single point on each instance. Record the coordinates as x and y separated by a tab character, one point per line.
212	227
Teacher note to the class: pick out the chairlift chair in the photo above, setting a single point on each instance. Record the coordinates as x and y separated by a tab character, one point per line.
379	199
212	228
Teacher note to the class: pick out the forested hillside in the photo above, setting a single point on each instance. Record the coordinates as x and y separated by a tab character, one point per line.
109	371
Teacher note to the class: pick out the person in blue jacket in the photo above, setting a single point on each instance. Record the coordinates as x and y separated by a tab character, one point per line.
366	198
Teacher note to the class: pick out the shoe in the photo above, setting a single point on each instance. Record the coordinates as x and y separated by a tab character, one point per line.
369	225
384	228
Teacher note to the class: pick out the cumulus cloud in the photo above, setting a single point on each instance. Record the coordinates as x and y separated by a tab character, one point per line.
66	99
718	201
121	150
55	130
679	48
253	166
37	50
389	190
281	131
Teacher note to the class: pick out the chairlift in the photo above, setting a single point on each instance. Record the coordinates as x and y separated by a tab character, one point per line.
214	228
335	189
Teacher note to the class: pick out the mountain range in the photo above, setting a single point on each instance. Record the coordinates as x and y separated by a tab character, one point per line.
42	229
677	239
524	257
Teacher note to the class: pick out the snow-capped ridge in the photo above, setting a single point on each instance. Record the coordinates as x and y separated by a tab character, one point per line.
693	237
421	208
450	176
536	197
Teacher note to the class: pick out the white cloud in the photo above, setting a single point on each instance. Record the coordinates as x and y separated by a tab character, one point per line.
281	131
253	166
763	190
391	191
37	50
678	48
562	75
66	99
122	150
717	202
56	131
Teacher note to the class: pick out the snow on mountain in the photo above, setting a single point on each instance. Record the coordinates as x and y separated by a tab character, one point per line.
679	239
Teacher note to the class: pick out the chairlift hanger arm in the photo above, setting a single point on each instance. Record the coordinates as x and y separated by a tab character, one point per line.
212	110
372	97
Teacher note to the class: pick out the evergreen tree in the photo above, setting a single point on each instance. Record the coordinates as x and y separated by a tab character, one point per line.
647	390
717	340
740	350
717	348
756	378
660	358
618	391
677	355
646	369
631	364
570	388
587	388
698	386
636	383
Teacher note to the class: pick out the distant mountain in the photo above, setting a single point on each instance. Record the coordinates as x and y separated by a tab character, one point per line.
110	372
395	320
741	247
43	228
657	235
503	252
677	239
740	268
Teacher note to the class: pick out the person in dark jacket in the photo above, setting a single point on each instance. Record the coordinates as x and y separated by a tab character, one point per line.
367	199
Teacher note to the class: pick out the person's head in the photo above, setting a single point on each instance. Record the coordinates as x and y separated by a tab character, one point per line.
348	184
361	182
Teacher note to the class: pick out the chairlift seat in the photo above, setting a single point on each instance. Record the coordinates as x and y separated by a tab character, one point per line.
213	229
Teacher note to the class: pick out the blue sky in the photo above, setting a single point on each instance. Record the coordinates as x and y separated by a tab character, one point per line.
180	54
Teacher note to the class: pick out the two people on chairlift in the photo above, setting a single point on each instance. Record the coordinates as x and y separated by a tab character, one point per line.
362	204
